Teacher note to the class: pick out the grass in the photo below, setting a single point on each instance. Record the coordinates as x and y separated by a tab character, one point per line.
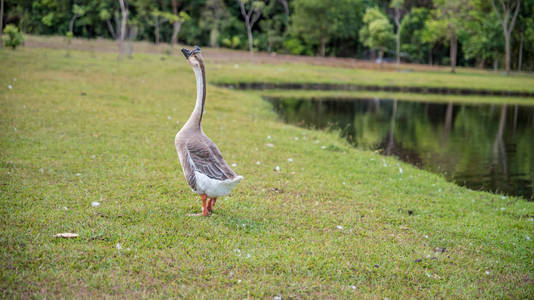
399	96
301	73
334	223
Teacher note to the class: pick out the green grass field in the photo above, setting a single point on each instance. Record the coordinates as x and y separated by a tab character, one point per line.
334	223
301	73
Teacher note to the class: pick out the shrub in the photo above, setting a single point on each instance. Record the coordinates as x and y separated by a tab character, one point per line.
232	43
294	46
12	37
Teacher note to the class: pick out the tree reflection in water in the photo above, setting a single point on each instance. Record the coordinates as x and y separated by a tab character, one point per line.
476	145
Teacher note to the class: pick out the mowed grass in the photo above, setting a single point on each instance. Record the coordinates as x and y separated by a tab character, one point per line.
333	223
301	73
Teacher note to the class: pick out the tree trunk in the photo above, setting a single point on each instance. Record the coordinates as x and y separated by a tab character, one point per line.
454	45
117	27
286	7
214	37
176	25
1	21
111	30
255	14
156	29
176	29
482	63
322	49
397	37
520	58
507	52
430	55
507	26
250	38
124	13
71	24
132	33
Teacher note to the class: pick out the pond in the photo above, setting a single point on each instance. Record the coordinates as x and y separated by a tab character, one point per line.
482	146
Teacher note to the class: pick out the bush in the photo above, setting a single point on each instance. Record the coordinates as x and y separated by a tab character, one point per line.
232	43
12	37
295	46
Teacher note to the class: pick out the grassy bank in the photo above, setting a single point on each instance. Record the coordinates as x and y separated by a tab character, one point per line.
397	96
335	222
301	73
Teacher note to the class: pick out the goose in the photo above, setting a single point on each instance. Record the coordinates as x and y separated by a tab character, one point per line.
204	168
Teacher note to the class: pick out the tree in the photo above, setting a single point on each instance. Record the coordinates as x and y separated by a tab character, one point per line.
159	18
510	9
286	7
483	39
397	6
447	22
525	35
251	17
177	19
319	22
1	20
212	15
273	26
377	32
77	12
411	35
124	19
13	37
104	15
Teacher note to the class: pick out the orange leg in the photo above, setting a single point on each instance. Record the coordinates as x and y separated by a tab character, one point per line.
205	211
211	204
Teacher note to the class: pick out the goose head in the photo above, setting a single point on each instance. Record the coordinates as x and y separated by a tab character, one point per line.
193	56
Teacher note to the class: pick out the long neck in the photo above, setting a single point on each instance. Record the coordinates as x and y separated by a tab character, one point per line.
196	117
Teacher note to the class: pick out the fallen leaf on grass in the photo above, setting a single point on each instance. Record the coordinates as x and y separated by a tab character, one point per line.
66	235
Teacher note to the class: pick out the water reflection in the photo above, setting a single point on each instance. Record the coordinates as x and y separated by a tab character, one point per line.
487	147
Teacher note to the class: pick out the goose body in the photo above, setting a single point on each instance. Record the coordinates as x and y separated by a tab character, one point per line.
204	168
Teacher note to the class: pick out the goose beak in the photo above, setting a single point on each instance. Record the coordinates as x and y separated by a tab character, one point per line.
186	53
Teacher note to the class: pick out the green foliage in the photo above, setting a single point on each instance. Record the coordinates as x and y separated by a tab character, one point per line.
320	21
104	15
274	26
78	10
377	31
331	27
483	38
12	37
412	28
295	46
234	42
48	19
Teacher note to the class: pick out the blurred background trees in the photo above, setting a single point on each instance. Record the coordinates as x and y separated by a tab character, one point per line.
477	33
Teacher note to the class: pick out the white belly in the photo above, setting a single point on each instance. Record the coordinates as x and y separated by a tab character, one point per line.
213	187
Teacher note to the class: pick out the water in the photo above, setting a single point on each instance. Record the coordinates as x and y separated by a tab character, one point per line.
482	146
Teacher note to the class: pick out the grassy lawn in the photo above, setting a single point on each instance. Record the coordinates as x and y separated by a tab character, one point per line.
336	222
301	73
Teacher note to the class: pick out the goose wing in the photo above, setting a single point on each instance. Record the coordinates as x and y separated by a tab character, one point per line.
207	159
